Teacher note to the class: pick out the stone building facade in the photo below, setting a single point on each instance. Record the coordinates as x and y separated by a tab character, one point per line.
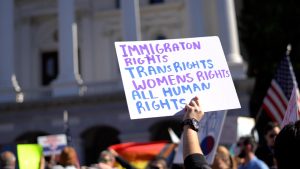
59	55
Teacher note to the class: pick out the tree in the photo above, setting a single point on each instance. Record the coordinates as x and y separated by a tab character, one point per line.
266	27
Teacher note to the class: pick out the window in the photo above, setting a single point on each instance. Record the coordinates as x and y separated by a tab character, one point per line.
49	67
156	1
160	37
117	4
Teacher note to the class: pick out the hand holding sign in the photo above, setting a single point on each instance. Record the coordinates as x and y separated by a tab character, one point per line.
193	110
160	77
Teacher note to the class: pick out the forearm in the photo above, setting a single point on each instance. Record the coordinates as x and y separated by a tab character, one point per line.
190	142
192	153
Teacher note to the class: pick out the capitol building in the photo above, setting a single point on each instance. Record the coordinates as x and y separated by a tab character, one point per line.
58	56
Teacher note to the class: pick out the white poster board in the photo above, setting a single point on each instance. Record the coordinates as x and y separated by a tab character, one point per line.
52	144
211	126
236	127
161	76
292	111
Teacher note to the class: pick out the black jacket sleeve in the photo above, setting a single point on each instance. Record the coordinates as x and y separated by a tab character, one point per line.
196	161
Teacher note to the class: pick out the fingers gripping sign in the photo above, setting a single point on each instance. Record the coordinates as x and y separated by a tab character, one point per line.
194	110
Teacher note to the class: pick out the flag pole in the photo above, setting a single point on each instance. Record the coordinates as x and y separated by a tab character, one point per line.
67	127
256	120
258	114
288	49
175	139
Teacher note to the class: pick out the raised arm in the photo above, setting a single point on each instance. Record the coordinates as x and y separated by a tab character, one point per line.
192	153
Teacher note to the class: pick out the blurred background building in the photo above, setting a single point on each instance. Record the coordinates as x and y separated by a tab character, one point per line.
58	55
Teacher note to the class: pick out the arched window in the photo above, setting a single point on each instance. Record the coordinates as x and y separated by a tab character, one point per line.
30	137
97	139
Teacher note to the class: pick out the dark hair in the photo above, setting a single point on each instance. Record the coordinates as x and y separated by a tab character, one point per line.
158	159
287	146
249	140
269	127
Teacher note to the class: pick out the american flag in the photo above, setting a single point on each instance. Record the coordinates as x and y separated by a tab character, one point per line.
278	95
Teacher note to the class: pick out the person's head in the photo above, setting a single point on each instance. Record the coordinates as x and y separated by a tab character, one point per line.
158	163
223	159
68	157
287	146
246	145
7	160
271	130
107	157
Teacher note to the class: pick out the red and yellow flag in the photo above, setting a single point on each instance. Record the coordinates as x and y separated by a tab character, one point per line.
139	154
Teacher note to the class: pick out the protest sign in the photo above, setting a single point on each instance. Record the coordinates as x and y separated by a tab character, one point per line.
52	144
29	156
161	76
292	111
209	135
236	127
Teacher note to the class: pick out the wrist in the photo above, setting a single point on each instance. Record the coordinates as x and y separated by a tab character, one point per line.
187	128
191	123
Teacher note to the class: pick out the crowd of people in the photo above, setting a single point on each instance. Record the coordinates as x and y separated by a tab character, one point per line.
282	146
279	151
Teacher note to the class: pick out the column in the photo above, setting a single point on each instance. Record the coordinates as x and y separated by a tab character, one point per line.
229	37
7	50
87	48
195	18
131	28
24	70
68	79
